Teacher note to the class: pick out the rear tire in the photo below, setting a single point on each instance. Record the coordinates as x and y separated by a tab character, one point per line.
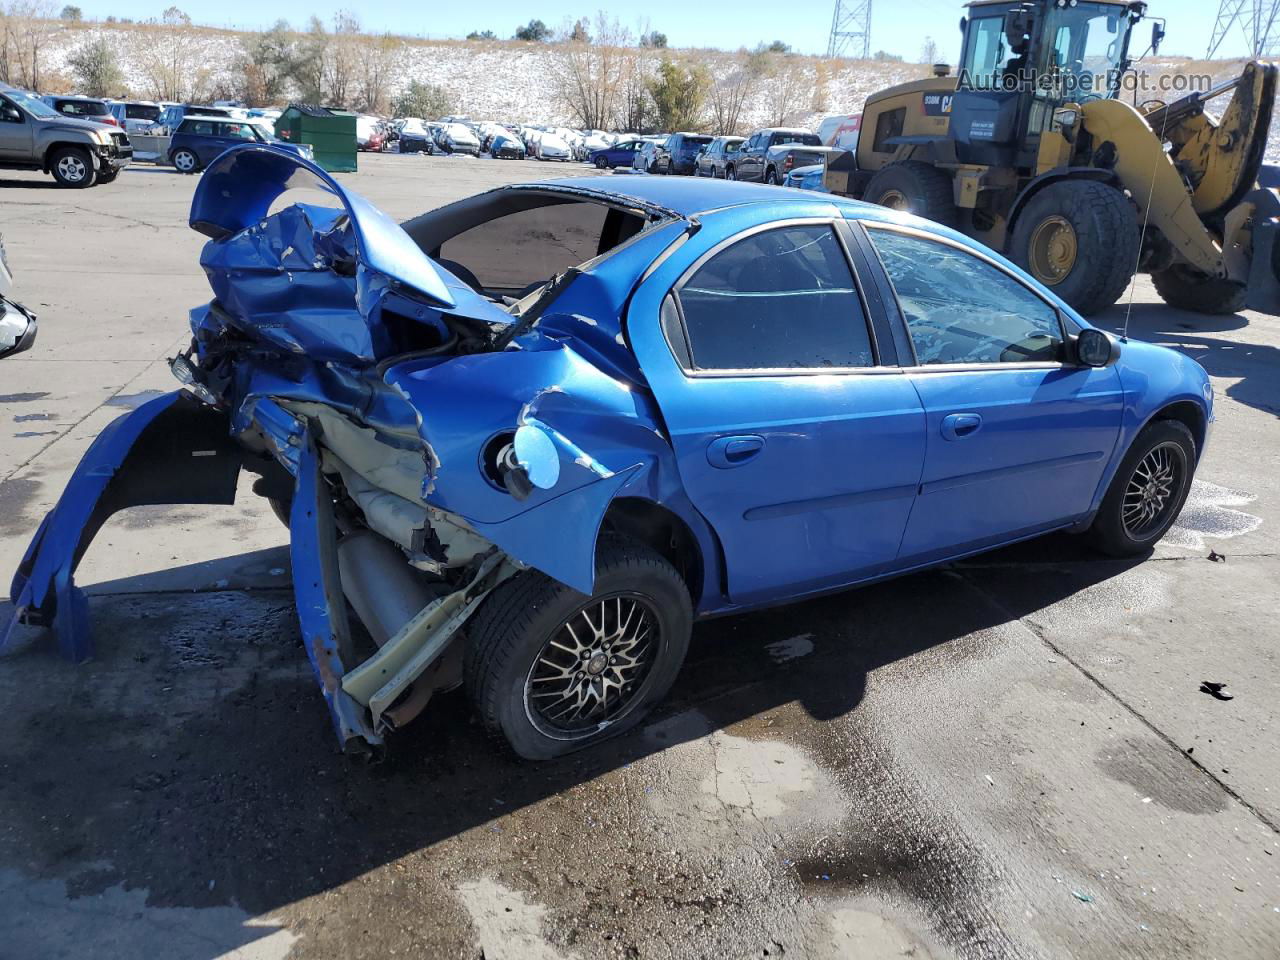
913	186
1188	289
730	173
72	167
184	161
510	659
1121	528
602	163
1079	238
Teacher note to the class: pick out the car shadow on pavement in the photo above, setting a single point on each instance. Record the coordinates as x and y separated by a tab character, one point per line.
41	184
194	757
1255	366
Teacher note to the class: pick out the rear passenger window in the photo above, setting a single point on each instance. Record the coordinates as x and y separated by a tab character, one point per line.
783	298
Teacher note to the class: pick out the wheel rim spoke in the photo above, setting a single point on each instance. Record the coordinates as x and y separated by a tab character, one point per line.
593	667
1149	496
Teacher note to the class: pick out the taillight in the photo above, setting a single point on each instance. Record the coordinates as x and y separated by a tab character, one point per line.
111	120
786	164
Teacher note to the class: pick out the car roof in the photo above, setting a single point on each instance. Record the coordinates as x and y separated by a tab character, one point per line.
73	96
685	196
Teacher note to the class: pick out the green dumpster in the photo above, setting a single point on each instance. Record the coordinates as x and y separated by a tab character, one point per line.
330	131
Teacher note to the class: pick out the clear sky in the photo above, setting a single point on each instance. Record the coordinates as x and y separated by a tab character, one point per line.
898	26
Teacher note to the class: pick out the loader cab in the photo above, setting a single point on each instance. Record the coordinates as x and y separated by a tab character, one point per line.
1023	60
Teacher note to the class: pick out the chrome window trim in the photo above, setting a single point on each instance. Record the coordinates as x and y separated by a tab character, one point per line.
832	223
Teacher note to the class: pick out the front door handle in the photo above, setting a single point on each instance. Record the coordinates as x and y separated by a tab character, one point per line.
959	426
726	452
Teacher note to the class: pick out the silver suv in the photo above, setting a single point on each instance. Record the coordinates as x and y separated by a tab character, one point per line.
79	153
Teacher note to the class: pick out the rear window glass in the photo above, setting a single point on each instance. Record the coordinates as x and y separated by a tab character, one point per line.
512	253
141	111
777	299
808	139
696	141
200	128
83	108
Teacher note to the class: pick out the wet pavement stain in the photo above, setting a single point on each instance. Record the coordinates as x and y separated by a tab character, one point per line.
134	400
16	494
28	417
1208	514
1165	777
22	397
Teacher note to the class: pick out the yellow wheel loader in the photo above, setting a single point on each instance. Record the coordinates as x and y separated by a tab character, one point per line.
1031	150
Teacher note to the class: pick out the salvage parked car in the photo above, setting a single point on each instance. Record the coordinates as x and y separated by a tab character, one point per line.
171	117
646	157
82	108
531	436
759	159
415	136
679	153
506	146
619	155
199	140
807	178
17	323
136	116
458	138
716	157
78	153
548	146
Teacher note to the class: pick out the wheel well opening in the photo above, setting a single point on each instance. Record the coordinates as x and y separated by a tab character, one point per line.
1188	414
663	531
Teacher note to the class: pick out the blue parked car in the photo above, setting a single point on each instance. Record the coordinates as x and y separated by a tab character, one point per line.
531	437
200	139
807	178
619	155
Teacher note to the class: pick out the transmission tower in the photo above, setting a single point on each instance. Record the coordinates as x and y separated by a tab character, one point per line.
851	29
1257	20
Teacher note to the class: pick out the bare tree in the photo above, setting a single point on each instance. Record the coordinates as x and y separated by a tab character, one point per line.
634	110
377	57
593	73
308	67
785	89
929	51
341	64
173	61
264	65
729	94
25	31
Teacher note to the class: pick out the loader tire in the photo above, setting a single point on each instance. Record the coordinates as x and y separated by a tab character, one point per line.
913	186
1079	238
1188	289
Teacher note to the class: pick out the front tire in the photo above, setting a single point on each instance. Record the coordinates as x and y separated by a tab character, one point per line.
1186	288
544	660
108	176
1147	492
913	186
771	177
602	163
72	167
1080	238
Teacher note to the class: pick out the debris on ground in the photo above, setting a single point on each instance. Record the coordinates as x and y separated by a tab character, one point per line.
1216	690
1082	897
1216	557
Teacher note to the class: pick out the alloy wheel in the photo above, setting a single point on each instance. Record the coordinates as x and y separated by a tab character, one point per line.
72	169
184	161
594	668
1152	491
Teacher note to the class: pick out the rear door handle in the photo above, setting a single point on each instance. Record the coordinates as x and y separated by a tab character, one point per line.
958	426
726	452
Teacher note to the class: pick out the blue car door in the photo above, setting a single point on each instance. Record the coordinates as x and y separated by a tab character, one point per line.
1017	437
795	433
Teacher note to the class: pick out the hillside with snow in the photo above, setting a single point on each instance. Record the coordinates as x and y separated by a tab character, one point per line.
512	81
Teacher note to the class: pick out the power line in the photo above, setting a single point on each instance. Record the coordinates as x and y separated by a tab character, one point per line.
851	29
1257	21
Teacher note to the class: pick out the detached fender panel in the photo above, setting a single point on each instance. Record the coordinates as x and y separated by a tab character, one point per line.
173	449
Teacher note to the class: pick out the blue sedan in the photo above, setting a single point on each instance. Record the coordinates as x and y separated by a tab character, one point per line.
619	155
533	436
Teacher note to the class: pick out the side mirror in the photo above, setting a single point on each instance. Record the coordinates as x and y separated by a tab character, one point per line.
1094	348
1157	37
10	114
17	328
964	25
